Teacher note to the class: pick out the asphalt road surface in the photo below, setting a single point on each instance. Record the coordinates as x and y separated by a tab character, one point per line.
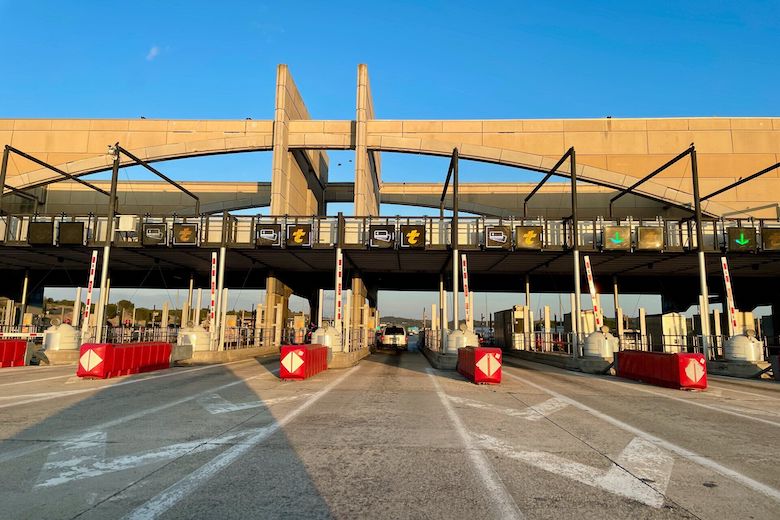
390	438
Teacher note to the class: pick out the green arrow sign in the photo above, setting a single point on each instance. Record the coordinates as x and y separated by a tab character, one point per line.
616	239
742	240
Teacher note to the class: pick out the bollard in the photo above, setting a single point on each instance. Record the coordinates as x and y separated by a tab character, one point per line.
481	365
104	360
298	362
679	370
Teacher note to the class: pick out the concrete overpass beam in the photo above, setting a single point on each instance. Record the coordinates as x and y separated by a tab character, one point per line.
368	166
297	179
277	299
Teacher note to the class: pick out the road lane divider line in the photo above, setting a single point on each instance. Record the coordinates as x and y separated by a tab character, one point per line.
67	393
531	413
640	388
662	443
216	404
503	501
13	454
163	502
35	380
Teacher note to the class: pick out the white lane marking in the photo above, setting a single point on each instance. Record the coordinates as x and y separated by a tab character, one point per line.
756	411
503	500
85	458
532	413
216	404
34	380
669	446
164	501
53	395
647	461
13	454
690	401
729	389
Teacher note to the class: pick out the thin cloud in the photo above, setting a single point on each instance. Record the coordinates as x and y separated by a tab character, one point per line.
153	53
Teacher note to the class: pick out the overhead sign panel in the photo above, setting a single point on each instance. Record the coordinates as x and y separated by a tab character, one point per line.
268	235
381	236
741	239
770	239
40	234
650	238
154	235
528	237
498	237
185	234
71	234
298	235
616	238
413	236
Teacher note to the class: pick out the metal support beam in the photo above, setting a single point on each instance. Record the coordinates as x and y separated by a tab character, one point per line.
103	300
450	169
705	303
545	179
54	169
576	311
741	181
649	176
164	177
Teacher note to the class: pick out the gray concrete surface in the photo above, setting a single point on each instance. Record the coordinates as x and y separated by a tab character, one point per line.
390	438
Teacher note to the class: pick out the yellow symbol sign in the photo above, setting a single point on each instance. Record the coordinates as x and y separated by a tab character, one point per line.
412	237
298	235
185	234
529	237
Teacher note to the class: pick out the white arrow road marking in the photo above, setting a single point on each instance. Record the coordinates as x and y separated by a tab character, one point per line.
85	457
532	413
216	404
647	486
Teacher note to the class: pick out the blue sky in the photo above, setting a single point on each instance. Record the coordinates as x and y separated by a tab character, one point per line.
444	60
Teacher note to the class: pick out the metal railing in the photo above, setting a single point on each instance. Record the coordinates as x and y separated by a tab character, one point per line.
243	231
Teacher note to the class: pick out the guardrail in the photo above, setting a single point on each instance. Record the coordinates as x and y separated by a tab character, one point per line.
245	231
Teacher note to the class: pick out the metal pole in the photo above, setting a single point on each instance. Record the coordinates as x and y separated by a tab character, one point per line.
454	240
23	305
615	294
320	301
705	311
107	248
196	307
443	321
74	321
218	319
576	251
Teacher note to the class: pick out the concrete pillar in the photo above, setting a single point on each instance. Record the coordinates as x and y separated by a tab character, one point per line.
320	302
76	309
547	331
615	294
347	320
23	305
434	317
259	325
164	319
455	288
643	329
277	298
196	307
9	313
716	319
281	319
364	326
443	321
368	176
358	300
619	324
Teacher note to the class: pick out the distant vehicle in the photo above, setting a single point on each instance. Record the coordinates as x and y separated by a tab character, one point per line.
413	331
393	336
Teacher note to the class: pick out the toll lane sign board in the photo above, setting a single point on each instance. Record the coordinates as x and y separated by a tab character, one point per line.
649	238
381	236
616	238
498	237
528	237
185	234
154	235
268	235
771	239
298	235
741	239
413	236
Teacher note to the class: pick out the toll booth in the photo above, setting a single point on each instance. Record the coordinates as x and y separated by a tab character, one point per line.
512	328
587	321
667	332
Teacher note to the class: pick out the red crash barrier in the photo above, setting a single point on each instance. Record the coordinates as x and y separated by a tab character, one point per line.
480	364
104	360
302	361
670	370
12	352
